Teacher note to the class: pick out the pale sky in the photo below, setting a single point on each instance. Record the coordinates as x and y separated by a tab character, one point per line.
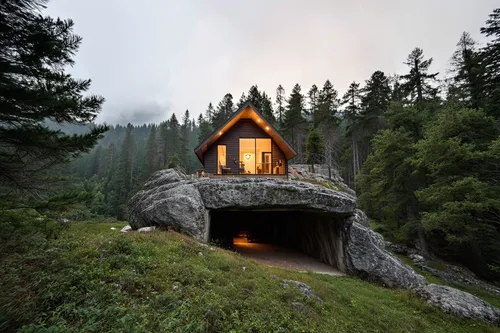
150	58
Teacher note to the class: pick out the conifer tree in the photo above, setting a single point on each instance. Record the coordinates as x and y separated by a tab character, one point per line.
293	118
491	55
313	95
418	83
314	147
374	103
185	130
35	50
352	102
267	108
173	139
243	100
151	160
224	110
280	105
255	97
467	84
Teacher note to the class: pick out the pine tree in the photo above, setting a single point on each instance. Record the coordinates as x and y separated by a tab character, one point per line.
224	110
280	105
151	160
462	201
467	84
267	109
374	103
255	97
163	137
491	55
313	95
352	158
314	147
184	151
328	104
34	52
243	100
293	119
417	85
173	139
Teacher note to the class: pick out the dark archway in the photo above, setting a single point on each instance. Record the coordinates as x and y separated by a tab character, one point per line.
315	234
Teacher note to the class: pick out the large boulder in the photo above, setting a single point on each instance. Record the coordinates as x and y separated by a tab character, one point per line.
249	193
171	198
365	256
459	303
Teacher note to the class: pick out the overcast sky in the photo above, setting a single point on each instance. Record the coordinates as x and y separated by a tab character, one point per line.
150	58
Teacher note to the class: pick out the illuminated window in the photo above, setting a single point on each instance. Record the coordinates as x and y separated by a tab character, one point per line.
255	156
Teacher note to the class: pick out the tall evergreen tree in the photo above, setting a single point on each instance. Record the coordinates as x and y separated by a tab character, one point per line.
314	147
173	140
267	108
151	160
255	97
467	84
224	110
313	95
491	55
280	105
352	157
293	119
374	103
243	100
35	50
184	154
418	82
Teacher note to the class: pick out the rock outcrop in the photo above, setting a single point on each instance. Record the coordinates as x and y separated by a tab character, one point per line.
365	256
459	303
173	199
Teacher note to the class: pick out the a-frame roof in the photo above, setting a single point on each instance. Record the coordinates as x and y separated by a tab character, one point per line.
246	111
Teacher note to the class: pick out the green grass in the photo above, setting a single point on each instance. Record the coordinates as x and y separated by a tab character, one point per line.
93	279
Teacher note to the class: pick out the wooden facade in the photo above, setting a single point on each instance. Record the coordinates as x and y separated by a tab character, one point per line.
246	123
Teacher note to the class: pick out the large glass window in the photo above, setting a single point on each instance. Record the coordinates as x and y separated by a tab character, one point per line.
255	156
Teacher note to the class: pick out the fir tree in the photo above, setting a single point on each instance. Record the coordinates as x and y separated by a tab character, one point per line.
280	105
314	147
255	97
418	83
267	108
491	55
34	52
374	103
243	100
467	84
185	130
293	118
151	160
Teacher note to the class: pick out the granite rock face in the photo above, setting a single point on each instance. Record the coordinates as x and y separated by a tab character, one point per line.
173	199
365	256
459	303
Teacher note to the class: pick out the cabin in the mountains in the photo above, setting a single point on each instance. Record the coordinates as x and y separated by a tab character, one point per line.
245	145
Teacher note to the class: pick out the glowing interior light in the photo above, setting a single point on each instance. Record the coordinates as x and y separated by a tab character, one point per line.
258	120
267	128
220	133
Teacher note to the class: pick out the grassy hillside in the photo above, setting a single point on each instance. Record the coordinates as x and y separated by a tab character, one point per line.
94	279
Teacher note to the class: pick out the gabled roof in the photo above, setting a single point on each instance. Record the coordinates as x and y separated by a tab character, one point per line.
246	111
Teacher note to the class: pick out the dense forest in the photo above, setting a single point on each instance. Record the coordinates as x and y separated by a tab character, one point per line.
422	153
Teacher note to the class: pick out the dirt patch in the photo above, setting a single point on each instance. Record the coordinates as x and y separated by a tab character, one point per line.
278	256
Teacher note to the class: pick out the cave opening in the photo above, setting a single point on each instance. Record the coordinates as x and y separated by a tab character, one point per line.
285	236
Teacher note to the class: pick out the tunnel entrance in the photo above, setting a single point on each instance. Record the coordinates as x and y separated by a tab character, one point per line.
292	239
